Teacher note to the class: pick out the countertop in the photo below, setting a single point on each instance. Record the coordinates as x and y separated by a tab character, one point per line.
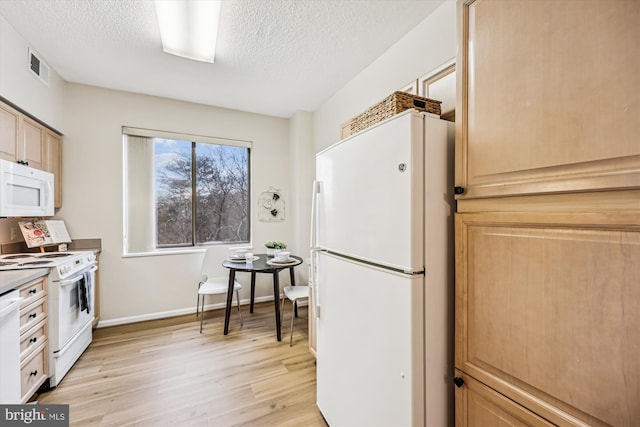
11	279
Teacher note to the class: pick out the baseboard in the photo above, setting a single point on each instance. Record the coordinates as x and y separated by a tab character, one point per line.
172	313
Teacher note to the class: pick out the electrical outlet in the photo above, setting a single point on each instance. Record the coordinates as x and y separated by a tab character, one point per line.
14	233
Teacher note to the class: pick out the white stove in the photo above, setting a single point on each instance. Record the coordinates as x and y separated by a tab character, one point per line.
62	264
70	296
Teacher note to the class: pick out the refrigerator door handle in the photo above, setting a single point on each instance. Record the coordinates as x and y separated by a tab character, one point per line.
314	225
316	283
314	247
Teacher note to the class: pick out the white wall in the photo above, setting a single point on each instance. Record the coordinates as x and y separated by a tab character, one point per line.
301	152
429	45
21	87
424	49
141	287
91	120
283	157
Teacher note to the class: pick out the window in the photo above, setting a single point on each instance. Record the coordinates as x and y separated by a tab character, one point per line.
184	191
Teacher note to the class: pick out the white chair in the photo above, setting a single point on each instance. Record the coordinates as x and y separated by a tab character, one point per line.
214	285
294	294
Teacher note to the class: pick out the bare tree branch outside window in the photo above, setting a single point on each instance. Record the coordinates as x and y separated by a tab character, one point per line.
219	211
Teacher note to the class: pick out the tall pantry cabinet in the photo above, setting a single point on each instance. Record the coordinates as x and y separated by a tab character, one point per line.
548	222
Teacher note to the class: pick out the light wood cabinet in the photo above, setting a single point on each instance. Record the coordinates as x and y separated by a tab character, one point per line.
550	95
23	139
547	310
31	143
33	371
32	338
548	213
9	130
34	366
484	407
53	164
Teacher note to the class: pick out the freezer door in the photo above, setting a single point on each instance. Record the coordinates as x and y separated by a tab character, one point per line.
370	194
370	346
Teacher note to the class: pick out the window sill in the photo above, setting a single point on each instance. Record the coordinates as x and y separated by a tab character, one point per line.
172	251
180	251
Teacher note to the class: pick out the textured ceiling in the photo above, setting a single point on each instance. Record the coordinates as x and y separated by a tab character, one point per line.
273	57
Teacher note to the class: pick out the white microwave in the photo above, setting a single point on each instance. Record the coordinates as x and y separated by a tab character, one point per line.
25	191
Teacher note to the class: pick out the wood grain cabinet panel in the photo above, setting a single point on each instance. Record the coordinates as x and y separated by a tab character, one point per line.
34	366
32	146
9	125
480	406
32	338
548	223
23	139
53	164
548	97
547	312
33	371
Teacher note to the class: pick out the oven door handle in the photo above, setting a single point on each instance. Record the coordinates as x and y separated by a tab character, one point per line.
75	279
71	281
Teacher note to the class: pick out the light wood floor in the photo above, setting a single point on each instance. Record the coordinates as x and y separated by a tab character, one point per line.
165	373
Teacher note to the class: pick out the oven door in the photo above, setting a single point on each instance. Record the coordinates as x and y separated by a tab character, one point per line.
75	304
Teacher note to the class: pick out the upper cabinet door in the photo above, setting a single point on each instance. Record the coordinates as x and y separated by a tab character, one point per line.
548	96
53	164
9	125
32	143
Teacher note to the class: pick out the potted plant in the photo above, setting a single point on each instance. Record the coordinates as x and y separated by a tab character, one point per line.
273	246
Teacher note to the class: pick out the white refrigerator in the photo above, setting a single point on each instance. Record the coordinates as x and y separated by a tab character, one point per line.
382	261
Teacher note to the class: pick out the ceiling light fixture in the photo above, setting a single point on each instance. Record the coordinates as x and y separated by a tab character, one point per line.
189	28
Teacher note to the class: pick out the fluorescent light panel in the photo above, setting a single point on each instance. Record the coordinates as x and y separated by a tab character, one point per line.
189	28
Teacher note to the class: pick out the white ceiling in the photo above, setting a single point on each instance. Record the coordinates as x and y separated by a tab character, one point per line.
273	57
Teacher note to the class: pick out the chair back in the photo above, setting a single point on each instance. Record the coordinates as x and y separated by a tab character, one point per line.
212	263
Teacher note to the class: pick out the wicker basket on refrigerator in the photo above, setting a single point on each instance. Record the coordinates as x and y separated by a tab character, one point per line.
393	104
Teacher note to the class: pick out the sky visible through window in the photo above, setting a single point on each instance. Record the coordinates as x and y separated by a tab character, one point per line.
215	204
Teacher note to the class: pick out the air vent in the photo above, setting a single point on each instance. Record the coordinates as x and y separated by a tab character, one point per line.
38	67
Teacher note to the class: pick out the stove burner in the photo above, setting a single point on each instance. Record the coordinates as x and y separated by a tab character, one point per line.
18	256
55	255
61	265
36	262
4	263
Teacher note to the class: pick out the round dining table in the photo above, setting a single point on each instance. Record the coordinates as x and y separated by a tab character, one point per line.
262	263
